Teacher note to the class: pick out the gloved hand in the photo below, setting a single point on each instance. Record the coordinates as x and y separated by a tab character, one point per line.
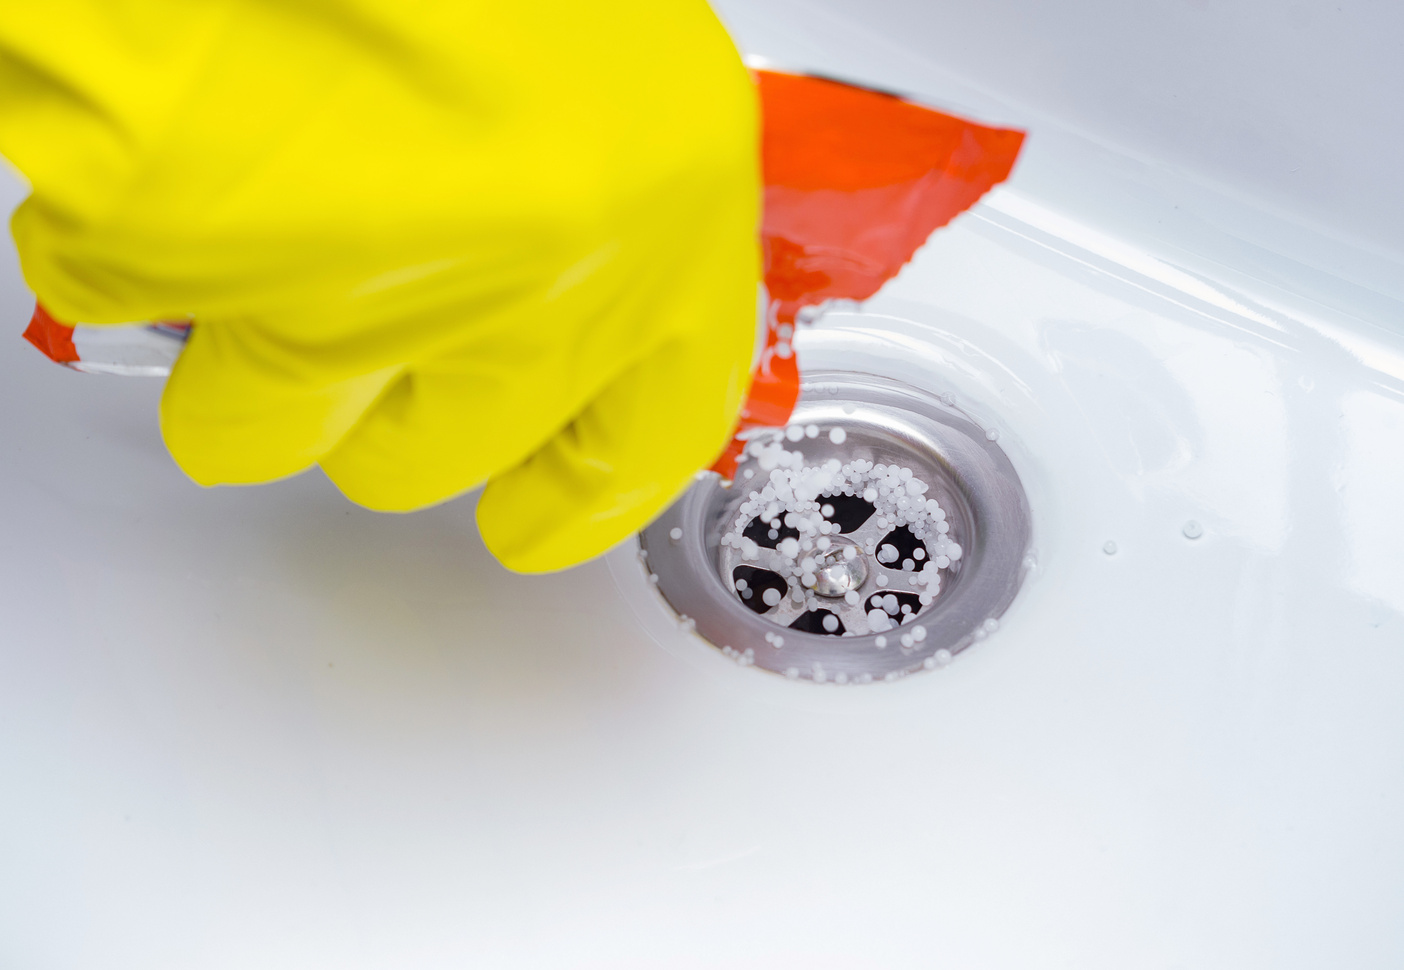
426	245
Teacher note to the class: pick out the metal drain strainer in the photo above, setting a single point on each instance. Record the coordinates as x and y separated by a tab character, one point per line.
755	614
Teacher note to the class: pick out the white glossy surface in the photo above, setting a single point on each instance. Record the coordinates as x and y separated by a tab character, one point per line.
261	727
1249	138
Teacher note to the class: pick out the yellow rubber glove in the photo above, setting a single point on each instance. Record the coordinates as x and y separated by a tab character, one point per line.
425	244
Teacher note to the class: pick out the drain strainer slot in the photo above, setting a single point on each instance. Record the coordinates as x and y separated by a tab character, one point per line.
877	599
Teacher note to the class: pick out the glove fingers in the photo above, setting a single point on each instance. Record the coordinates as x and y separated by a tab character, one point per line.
234	413
623	459
523	374
439	430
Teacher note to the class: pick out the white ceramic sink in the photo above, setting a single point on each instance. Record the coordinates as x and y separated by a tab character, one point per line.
263	727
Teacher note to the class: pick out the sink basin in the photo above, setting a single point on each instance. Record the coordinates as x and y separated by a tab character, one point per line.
264	727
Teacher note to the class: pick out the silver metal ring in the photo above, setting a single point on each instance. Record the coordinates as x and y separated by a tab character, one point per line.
888	422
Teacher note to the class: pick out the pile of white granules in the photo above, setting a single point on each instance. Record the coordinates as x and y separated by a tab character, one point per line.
793	496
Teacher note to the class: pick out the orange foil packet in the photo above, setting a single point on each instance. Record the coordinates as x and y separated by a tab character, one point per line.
855	182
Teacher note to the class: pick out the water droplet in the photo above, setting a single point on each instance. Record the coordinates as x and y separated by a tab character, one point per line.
675	533
1192	529
992	435
1109	548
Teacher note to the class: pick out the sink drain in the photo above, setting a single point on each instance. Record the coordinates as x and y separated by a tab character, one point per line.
881	533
